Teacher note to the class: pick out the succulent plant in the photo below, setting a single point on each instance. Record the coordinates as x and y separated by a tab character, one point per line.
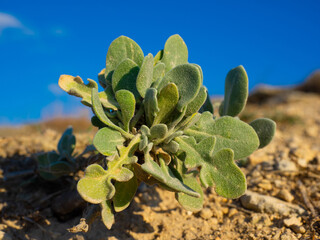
156	125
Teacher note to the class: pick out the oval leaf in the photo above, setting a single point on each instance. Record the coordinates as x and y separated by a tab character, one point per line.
167	101
145	76
236	92
188	80
125	192
265	129
175	52
106	141
125	77
197	102
120	49
127	104
150	105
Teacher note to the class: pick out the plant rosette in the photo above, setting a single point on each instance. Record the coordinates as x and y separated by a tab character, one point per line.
156	125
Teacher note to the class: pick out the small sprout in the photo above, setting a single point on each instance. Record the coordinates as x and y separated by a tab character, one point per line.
53	165
157	125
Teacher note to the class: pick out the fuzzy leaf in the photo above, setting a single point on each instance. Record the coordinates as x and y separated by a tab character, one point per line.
164	175
125	192
60	168
217	167
158	72
229	132
167	101
172	147
150	105
158	131
67	143
188	80
158	57
106	141
197	102
175	52
125	76
102	78
127	104
265	129
50	168
119	50
200	70
236	92
96	186
107	214
145	76
75	86
207	106
190	203
98	110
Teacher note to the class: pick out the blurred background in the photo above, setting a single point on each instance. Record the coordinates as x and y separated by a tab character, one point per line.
276	41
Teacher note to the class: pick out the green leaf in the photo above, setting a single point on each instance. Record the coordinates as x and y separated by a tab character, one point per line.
167	101
50	167
172	147
158	57
75	86
197	102
119	50
207	106
265	129
145	76
229	132
217	167
98	110
236	92
158	72
188	80
164	175
102	78
175	52
150	105
96	186
125	192
60	168
107	214
106	141
125	77
127	104
67	143
200	70
190	203
158	131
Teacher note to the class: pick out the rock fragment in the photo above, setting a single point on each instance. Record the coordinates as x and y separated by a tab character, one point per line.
285	195
268	204
286	166
206	213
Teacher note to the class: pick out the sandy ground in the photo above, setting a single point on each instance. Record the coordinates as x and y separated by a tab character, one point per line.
282	201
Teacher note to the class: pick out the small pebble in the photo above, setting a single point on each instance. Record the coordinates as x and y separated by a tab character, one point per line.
266	185
285	195
206	213
232	212
287	166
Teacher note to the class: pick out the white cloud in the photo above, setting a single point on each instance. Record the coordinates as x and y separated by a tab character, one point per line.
9	21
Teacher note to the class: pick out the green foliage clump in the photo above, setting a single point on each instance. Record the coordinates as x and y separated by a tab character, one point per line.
53	165
156	125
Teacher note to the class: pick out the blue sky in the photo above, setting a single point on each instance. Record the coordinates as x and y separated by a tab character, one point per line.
278	43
